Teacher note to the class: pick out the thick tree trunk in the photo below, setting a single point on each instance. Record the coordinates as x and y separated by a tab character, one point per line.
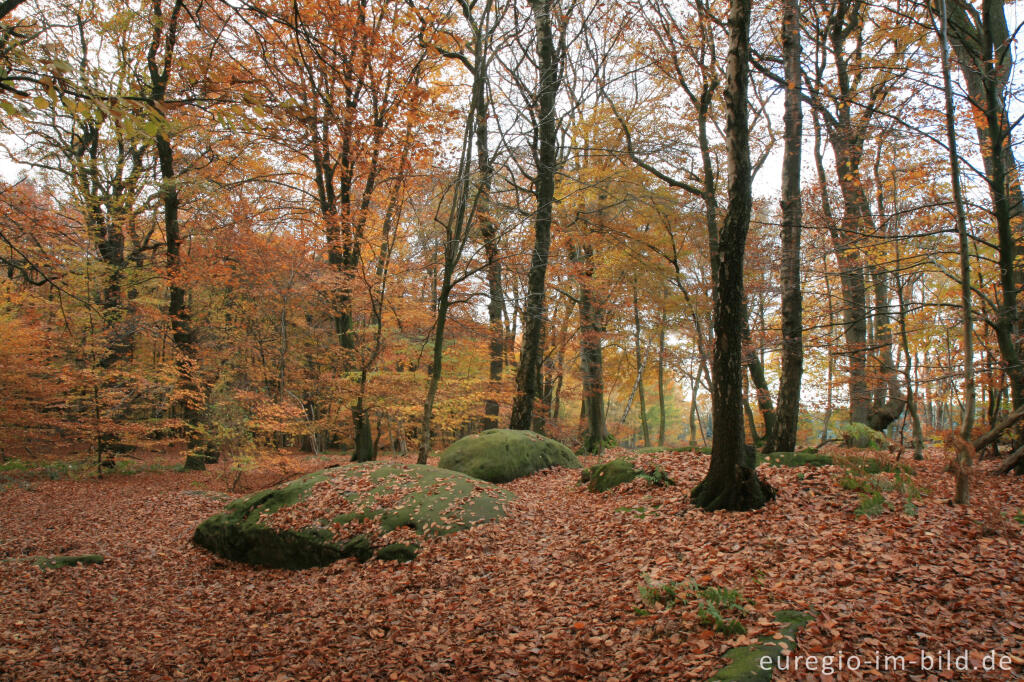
856	220
544	189
731	482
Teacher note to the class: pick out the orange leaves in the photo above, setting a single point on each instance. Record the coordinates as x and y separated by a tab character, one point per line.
548	592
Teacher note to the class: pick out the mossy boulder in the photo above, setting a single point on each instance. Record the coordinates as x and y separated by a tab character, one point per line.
357	510
503	455
857	435
607	475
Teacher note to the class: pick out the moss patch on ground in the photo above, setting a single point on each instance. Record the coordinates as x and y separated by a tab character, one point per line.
63	561
360	510
794	459
748	663
503	455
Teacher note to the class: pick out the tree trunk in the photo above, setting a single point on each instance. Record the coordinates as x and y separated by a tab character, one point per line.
983	46
764	398
592	359
640	368
489	235
788	411
731	482
967	423
856	218
661	380
544	189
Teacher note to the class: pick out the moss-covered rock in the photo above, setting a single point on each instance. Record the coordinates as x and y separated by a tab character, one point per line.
350	510
607	475
503	455
857	435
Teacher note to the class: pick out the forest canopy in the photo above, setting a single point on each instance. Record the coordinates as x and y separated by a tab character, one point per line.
376	226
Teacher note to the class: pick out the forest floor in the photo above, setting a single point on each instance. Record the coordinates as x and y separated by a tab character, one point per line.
550	592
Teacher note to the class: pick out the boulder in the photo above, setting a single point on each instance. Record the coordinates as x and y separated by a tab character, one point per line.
502	455
607	475
360	510
856	435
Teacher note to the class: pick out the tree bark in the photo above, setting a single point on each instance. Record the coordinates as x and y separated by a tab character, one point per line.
788	410
661	379
592	356
731	482
640	368
544	189
983	46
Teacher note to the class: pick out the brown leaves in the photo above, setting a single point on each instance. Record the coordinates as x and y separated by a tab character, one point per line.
546	593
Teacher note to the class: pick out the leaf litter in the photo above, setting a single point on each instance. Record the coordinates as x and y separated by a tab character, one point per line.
549	592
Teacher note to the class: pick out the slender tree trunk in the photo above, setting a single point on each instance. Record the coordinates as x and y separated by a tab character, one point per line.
983	46
592	357
762	393
792	217
693	414
489	235
159	60
533	311
731	482
961	228
640	368
661	379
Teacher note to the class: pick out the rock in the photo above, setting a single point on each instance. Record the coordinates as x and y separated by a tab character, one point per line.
857	435
607	475
349	511
195	462
502	455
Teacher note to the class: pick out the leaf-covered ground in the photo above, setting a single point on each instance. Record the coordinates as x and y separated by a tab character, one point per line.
550	592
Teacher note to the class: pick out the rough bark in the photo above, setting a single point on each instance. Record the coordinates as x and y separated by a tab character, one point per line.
638	350
731	482
661	380
544	189
983	46
592	356
791	373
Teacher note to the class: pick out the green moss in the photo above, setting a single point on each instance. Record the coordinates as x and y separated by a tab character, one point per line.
607	475
503	455
63	561
746	662
857	435
794	459
429	500
397	551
